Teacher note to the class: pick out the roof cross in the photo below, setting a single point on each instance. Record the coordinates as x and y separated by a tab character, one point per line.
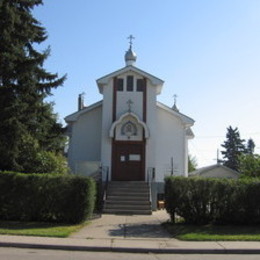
131	38
175	103
175	99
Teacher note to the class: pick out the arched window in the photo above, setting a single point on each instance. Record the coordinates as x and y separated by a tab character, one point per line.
129	129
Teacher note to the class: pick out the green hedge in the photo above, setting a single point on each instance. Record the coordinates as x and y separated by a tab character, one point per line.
216	201
46	197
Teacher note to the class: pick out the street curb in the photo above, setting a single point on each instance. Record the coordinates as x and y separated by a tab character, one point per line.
131	250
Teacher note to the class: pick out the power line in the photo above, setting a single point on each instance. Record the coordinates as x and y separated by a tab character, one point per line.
205	137
223	136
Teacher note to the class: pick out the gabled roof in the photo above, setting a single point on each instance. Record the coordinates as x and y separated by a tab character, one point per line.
185	119
204	170
74	117
154	80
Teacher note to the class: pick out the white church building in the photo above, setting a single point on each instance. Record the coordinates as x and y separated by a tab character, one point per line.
129	134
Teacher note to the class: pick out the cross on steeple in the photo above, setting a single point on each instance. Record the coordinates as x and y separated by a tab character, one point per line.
175	103
131	38
129	103
175	99
130	56
219	161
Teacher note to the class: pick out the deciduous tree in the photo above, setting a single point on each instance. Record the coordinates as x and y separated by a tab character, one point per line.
249	165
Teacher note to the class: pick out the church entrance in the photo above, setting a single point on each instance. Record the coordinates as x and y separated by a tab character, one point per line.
128	161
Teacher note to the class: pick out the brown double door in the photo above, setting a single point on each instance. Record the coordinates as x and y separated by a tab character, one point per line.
128	161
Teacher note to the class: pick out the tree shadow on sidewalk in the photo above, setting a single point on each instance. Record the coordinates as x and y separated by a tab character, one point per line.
140	231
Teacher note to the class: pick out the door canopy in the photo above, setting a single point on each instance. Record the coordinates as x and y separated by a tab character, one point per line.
129	128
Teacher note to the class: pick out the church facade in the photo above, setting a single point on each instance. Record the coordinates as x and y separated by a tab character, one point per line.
129	134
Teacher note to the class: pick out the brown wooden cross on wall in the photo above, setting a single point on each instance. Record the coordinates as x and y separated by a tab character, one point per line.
129	103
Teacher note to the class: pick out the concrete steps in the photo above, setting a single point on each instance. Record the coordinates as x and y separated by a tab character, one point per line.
128	198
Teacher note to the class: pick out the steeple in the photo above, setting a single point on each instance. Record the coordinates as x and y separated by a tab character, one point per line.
175	104
130	55
81	101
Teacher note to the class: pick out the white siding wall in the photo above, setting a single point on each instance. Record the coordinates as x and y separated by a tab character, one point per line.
151	121
90	133
122	108
186	153
85	139
170	143
107	114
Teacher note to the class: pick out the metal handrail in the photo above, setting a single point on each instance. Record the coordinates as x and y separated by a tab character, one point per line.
105	169
150	179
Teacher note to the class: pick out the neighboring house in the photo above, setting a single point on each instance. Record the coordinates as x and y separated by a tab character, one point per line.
215	171
129	133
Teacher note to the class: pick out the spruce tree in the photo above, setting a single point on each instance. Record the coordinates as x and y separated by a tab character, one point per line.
250	147
234	147
27	122
192	163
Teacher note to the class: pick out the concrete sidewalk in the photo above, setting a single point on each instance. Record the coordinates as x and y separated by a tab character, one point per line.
136	234
126	227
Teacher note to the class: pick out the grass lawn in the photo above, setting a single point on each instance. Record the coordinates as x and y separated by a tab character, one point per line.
213	233
37	229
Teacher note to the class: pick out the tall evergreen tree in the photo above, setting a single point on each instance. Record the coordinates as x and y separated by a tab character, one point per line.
234	147
250	146
192	163
26	121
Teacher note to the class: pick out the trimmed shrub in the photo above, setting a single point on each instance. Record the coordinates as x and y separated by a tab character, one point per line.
216	201
50	162
32	159
188	199
47	197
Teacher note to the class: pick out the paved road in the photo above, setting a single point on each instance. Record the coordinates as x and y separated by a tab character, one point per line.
31	254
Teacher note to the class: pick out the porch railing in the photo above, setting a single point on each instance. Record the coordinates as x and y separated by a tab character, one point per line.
104	171
150	180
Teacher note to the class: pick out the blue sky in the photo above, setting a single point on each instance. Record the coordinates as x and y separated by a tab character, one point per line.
207	52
